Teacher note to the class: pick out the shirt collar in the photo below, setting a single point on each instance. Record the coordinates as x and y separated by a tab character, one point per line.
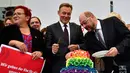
98	25
63	24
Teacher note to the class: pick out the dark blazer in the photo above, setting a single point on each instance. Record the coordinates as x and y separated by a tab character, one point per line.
53	35
13	33
116	35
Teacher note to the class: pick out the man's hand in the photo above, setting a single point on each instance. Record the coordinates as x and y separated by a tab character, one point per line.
73	47
112	52
55	48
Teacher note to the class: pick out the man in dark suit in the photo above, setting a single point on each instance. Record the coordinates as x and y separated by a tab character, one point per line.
115	36
55	41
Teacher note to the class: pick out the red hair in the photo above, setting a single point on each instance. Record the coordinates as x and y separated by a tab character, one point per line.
27	11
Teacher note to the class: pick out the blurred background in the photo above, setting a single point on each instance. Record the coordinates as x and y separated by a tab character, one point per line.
46	10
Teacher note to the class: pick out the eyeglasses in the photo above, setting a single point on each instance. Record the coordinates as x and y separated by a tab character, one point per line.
34	22
85	21
18	14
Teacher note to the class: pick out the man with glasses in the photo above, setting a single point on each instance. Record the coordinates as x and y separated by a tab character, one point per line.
115	38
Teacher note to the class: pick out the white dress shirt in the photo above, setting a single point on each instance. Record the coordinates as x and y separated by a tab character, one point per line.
100	30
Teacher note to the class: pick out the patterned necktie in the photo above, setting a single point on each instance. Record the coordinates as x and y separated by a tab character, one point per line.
66	36
98	34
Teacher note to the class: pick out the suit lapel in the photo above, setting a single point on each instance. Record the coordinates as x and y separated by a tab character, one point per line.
59	30
71	31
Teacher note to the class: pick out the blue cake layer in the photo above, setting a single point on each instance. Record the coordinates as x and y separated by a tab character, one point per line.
73	69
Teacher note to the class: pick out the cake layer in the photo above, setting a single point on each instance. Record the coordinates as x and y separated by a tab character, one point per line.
72	69
79	61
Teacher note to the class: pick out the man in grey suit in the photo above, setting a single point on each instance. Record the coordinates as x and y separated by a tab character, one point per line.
115	36
57	42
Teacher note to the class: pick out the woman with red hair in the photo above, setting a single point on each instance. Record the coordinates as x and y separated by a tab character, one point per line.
22	36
